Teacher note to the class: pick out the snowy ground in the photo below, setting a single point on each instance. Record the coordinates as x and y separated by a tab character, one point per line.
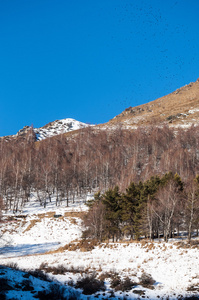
26	241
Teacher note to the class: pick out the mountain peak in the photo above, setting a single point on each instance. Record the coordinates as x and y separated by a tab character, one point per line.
58	127
49	130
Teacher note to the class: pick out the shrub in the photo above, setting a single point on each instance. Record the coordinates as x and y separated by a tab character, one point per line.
115	282
71	283
55	292
27	285
122	285
60	269
5	285
194	243
146	280
90	284
43	266
40	274
126	285
110	274
13	265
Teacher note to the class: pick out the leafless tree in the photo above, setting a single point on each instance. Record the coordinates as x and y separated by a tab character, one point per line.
95	221
191	202
168	198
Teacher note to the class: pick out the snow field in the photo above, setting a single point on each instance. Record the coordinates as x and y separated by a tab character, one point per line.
174	270
26	242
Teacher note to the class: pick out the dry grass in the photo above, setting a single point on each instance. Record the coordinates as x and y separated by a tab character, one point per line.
83	246
194	244
37	219
73	215
32	224
193	288
70	215
73	221
166	109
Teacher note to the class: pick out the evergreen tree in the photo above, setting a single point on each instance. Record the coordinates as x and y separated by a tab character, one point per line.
131	209
112	201
97	198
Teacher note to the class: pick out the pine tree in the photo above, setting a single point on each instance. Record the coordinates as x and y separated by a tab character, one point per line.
112	201
131	209
97	198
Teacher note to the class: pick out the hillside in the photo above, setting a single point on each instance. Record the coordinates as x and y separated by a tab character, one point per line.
52	250
91	158
180	108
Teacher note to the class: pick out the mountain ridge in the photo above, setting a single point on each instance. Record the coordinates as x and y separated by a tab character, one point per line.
50	129
179	108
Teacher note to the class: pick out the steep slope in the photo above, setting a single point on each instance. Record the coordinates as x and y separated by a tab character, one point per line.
180	108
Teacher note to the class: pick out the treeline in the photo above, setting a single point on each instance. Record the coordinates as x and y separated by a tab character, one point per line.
159	207
92	159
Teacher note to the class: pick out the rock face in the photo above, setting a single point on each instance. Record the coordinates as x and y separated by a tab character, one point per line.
27	132
23	131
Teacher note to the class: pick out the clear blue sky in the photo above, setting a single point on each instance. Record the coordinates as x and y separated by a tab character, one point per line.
91	59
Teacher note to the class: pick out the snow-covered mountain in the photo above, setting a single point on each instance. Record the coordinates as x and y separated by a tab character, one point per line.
54	128
58	127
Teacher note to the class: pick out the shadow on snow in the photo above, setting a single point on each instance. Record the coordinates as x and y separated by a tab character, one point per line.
26	249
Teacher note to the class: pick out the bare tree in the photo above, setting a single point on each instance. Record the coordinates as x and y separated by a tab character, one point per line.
95	221
191	205
168	198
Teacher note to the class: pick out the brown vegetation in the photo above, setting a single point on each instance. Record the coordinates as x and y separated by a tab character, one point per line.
172	109
65	167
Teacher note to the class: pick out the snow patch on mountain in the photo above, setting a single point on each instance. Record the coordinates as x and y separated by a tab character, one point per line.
58	127
53	128
192	111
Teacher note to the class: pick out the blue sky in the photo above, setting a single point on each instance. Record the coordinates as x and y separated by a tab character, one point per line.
91	59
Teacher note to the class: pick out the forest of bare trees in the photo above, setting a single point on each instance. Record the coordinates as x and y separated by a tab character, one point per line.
94	159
